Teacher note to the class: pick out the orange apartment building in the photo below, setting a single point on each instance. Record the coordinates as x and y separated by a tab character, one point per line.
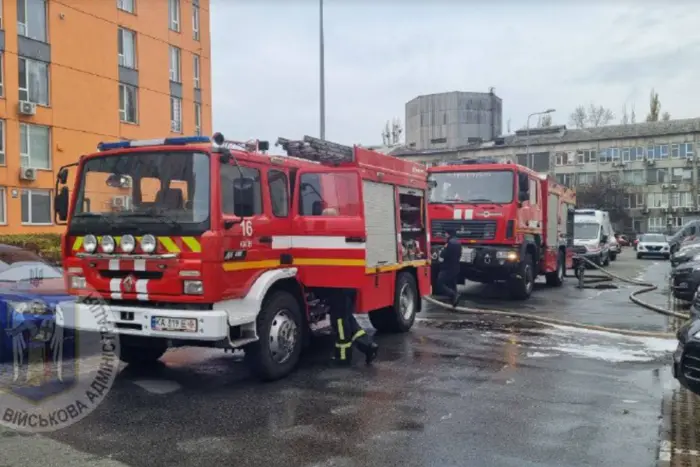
77	72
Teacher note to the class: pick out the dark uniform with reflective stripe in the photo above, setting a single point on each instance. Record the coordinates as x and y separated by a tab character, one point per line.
347	330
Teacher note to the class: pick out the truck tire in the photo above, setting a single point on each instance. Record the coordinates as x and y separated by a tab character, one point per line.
556	278
276	352
521	288
400	317
139	356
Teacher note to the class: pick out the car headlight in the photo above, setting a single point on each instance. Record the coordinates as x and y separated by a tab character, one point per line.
193	288
107	244
33	307
127	243
90	243
148	243
507	255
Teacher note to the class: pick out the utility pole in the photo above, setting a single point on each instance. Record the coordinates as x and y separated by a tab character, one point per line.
322	74
527	143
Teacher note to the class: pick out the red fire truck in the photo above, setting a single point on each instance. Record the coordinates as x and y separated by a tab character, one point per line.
193	241
514	224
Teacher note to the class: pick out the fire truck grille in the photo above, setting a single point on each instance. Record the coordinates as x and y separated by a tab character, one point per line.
137	274
477	230
163	305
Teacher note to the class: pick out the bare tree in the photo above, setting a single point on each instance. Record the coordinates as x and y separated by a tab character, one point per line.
666	116
545	121
654	107
625	116
608	194
593	116
633	116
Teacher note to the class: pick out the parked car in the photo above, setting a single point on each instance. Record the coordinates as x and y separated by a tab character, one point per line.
686	358
623	240
685	254
30	289
615	248
655	245
685	280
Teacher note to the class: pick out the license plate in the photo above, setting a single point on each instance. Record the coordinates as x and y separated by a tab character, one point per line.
467	255
161	323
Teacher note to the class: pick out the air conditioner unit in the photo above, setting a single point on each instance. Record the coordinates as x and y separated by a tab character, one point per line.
645	210
674	186
27	173
651	162
121	202
689	160
664	186
26	108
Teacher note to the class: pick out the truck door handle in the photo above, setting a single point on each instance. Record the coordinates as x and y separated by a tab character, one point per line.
355	239
265	240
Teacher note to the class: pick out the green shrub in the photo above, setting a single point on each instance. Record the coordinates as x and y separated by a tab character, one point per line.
47	245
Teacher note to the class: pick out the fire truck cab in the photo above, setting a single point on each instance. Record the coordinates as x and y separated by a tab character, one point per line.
195	241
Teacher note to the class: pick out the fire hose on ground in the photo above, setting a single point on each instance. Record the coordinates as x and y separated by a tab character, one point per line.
646	287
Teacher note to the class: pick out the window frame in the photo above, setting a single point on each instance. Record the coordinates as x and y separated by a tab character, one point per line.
174	129
133	6
26	88
29	139
198	118
123	102
3	205
3	143
286	192
174	15
2	70
31	192
175	68
197	71
26	31
121	56
196	18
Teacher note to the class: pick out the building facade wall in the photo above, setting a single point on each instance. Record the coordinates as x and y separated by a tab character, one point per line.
662	172
80	49
450	120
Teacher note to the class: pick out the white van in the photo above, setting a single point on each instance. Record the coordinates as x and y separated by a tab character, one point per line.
611	248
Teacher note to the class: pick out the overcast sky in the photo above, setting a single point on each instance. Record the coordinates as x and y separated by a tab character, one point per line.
381	54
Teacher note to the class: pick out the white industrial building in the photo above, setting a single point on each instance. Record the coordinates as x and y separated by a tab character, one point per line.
658	160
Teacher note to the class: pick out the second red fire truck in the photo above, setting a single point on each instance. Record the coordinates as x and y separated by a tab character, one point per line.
190	241
514	224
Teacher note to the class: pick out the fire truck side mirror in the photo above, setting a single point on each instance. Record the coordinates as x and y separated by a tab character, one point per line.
60	204
63	176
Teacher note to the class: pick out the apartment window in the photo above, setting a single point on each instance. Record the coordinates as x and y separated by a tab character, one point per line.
198	118
35	146
655	176
634	200
586	178
33	81
175	115
175	68
586	156
174	9
31	19
657	200
2	143
681	174
675	151
195	22
634	177
196	67
640	153
686	150
2	70
126	5
3	205
127	48
36	207
128	97
564	158
626	156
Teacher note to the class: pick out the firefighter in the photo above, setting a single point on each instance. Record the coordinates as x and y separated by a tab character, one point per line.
348	331
449	268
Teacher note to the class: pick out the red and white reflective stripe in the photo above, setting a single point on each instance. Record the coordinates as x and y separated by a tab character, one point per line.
139	265
314	242
114	265
142	289
115	287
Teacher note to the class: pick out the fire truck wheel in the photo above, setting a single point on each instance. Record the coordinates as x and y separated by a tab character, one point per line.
521	288
140	356
556	278
401	316
278	349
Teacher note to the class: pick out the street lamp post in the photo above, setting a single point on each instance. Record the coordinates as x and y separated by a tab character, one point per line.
527	143
322	77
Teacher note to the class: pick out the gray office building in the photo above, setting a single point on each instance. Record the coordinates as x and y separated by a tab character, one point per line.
452	119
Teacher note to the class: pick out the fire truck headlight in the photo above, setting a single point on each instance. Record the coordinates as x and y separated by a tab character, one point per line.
107	244
90	243
148	243
507	255
127	243
193	288
77	282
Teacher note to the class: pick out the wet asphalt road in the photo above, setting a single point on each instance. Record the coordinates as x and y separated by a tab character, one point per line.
483	392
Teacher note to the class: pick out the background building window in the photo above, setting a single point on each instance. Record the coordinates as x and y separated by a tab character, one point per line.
195	22
175	115
127	48
34	146
31	19
198	118
126	5
33	81
36	207
175	68
3	205
196	68
3	161
128	98
2	73
174	10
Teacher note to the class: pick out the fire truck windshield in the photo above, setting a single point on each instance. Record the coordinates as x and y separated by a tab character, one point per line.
150	191
486	186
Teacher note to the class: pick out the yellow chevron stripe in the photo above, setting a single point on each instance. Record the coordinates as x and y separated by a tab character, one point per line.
193	244
77	243
169	244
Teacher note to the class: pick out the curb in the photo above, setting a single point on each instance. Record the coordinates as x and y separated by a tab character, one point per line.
663	456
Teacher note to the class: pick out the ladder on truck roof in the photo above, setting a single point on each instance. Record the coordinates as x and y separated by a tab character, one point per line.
317	150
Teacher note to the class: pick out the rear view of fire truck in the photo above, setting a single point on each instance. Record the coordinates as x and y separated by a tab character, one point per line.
218	244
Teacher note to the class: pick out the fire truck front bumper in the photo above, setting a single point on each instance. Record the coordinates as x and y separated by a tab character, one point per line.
201	325
487	263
